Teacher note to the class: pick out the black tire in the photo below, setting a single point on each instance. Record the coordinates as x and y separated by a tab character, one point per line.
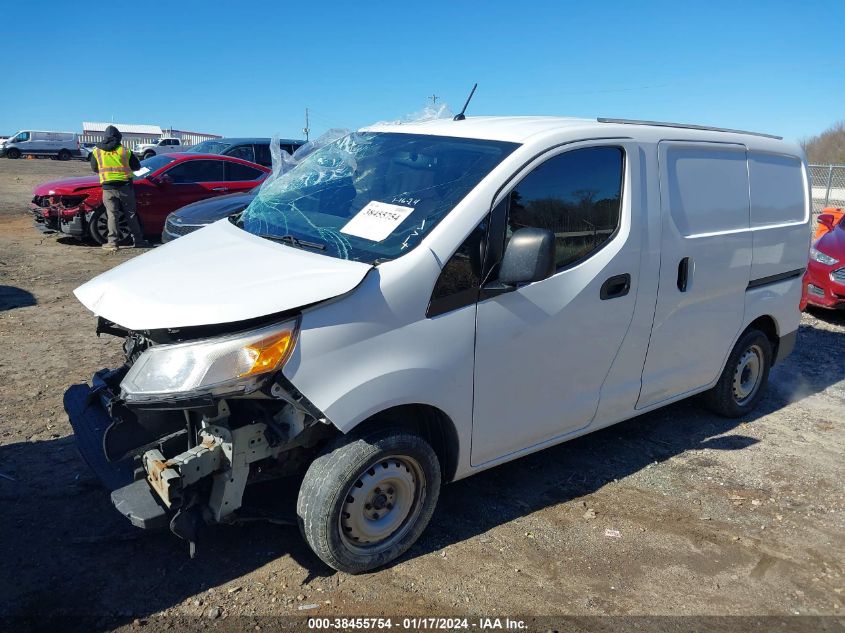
63	155
331	486
148	154
98	227
13	153
734	396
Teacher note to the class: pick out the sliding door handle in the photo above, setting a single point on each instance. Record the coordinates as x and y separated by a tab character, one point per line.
683	274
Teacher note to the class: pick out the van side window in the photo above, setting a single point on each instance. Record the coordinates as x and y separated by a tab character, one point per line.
459	280
577	195
707	187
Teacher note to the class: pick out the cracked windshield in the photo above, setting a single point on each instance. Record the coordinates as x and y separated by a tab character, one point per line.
371	196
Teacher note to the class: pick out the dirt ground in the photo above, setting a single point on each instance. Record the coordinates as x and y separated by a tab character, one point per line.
677	512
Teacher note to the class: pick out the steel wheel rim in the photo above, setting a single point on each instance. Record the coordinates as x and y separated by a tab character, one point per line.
747	375
382	504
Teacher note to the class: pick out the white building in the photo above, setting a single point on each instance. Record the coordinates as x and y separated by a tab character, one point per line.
94	132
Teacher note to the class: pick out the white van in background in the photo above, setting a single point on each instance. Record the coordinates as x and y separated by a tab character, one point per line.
61	145
417	303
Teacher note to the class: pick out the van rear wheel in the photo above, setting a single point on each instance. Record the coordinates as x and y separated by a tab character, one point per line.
744	378
367	498
64	155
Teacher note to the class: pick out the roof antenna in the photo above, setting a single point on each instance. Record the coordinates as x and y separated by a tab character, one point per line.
460	116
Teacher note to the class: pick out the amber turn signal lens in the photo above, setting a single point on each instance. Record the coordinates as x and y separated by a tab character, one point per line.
268	353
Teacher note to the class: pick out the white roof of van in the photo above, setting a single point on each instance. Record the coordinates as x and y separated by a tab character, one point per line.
500	128
518	129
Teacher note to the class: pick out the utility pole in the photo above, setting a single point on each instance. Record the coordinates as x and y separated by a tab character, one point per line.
306	130
434	99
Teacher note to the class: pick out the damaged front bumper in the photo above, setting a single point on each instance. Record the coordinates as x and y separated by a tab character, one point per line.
54	218
88	410
105	435
182	464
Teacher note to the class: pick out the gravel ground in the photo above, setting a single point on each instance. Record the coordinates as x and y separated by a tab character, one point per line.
676	512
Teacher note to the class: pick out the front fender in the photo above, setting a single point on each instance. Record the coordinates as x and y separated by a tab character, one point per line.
374	349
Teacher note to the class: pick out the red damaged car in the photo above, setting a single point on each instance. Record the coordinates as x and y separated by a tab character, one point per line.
824	281
163	184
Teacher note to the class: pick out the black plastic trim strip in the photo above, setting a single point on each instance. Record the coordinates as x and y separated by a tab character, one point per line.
773	279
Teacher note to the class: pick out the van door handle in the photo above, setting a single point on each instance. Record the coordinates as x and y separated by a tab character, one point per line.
683	274
616	286
220	189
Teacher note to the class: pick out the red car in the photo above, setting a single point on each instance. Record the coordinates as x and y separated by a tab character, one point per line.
163	184
824	281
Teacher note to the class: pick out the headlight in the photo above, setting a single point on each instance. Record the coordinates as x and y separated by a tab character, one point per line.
226	365
820	257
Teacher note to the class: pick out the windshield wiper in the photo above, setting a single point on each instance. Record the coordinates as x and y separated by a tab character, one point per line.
293	241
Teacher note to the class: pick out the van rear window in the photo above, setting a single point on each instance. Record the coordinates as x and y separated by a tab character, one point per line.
777	189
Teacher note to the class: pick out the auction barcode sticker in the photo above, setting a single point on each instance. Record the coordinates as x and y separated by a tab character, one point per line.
376	220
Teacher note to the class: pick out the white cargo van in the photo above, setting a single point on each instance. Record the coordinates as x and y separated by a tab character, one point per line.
416	303
61	145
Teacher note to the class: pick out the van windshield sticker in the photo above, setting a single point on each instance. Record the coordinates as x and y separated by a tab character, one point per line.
141	172
376	221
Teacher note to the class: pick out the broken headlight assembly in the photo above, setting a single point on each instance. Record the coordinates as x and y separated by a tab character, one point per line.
236	364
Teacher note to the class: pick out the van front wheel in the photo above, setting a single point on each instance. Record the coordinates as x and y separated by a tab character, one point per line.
744	378
367	498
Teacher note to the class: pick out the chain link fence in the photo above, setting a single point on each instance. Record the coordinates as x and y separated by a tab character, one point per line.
828	186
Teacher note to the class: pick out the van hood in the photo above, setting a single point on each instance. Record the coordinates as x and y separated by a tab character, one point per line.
218	274
66	185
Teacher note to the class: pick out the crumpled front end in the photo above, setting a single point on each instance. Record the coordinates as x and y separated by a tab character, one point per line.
58	213
184	457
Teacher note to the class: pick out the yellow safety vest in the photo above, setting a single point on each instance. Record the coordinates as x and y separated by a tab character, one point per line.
113	166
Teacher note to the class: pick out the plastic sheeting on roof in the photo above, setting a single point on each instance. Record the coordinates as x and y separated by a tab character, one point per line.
125	128
430	112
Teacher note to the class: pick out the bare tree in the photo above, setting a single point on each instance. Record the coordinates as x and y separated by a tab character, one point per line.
827	147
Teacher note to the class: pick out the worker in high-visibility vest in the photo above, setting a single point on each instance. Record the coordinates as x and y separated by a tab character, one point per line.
115	164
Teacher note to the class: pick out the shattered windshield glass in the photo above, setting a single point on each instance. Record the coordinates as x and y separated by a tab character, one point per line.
371	196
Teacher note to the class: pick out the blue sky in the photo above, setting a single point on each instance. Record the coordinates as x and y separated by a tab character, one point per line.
251	68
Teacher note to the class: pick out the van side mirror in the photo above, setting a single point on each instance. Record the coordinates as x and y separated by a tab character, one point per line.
826	219
529	256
